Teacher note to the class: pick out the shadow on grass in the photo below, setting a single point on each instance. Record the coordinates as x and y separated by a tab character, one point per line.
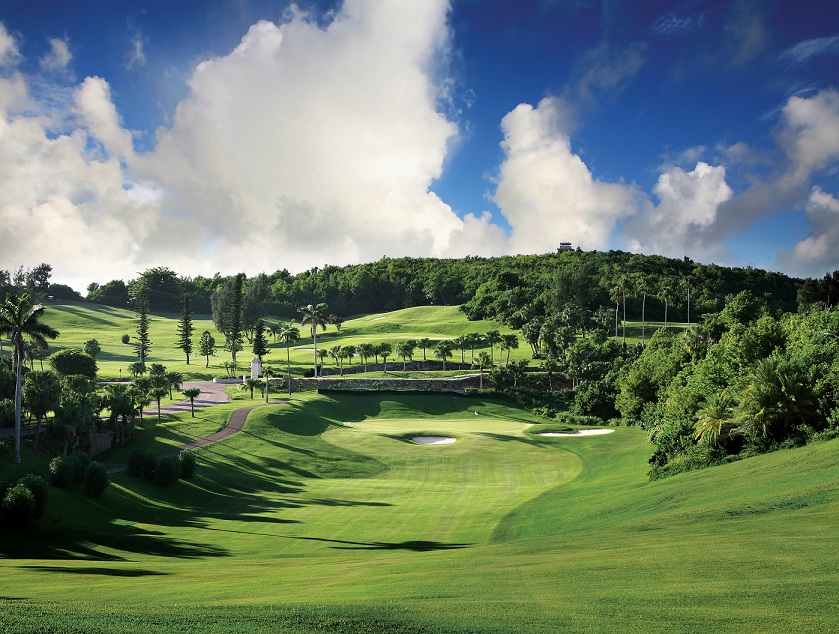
92	570
420	546
508	438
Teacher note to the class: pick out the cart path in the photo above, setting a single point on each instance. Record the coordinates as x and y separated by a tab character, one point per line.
211	394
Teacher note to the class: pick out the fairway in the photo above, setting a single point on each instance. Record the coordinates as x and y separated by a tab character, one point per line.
324	515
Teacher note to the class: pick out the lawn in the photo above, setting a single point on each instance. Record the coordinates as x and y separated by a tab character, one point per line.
324	516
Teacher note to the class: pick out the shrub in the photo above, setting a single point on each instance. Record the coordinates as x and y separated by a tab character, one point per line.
79	461
18	507
166	471
95	480
186	464
61	472
38	486
125	338
141	463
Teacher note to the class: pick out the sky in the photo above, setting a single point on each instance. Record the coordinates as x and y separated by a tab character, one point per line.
256	135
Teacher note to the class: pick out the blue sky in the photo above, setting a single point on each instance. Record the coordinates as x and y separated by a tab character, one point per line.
255	135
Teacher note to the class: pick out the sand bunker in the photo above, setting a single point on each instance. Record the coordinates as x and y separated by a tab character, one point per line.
579	432
433	440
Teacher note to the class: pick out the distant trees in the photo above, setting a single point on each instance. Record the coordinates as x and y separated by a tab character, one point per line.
227	313
443	350
142	343
405	349
288	335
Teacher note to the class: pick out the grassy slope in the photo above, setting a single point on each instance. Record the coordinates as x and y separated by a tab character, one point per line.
78	322
321	517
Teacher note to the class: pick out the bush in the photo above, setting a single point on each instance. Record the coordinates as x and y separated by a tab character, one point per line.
61	472
186	464
141	464
38	486
95	479
18	507
166	471
79	461
125	338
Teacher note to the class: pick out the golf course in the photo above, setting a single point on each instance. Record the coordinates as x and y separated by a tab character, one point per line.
408	512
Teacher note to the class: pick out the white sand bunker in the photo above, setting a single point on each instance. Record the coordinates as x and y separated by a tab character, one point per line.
433	440
579	432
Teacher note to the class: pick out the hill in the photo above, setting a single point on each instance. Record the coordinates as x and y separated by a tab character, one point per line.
323	516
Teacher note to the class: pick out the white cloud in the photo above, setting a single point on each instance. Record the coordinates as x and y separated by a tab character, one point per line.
809	134
99	116
818	252
545	190
9	51
687	214
58	58
806	50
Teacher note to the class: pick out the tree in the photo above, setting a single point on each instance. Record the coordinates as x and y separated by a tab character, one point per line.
249	384
509	342
714	420
191	393
227	313
92	347
161	288
405	349
289	335
174	379
667	294
350	352
365	351
260	341
472	340
257	292
72	361
443	350
267	374
158	393
385	350
207	346
492	337
78	408
424	343
19	318
117	398
142	344
313	314
336	321
185	330
40	395
484	360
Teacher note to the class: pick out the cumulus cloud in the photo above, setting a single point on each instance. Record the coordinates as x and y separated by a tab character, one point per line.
546	192
817	253
307	143
686	214
809	134
58	58
9	51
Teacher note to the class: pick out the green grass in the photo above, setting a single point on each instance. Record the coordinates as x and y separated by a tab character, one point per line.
79	322
323	516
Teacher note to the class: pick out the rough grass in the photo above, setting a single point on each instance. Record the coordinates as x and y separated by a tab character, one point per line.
322	516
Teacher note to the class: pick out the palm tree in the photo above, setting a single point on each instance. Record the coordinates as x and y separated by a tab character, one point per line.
191	393
268	374
288	335
158	393
40	394
275	330
667	294
472	340
424	343
615	296
385	350
484	360
714	420
249	384
776	394
492	337
313	314
442	350
174	380
365	351
405	349
19	317
509	342
322	354
350	351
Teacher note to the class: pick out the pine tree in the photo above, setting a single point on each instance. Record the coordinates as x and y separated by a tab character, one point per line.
185	329
207	346
142	344
260	342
